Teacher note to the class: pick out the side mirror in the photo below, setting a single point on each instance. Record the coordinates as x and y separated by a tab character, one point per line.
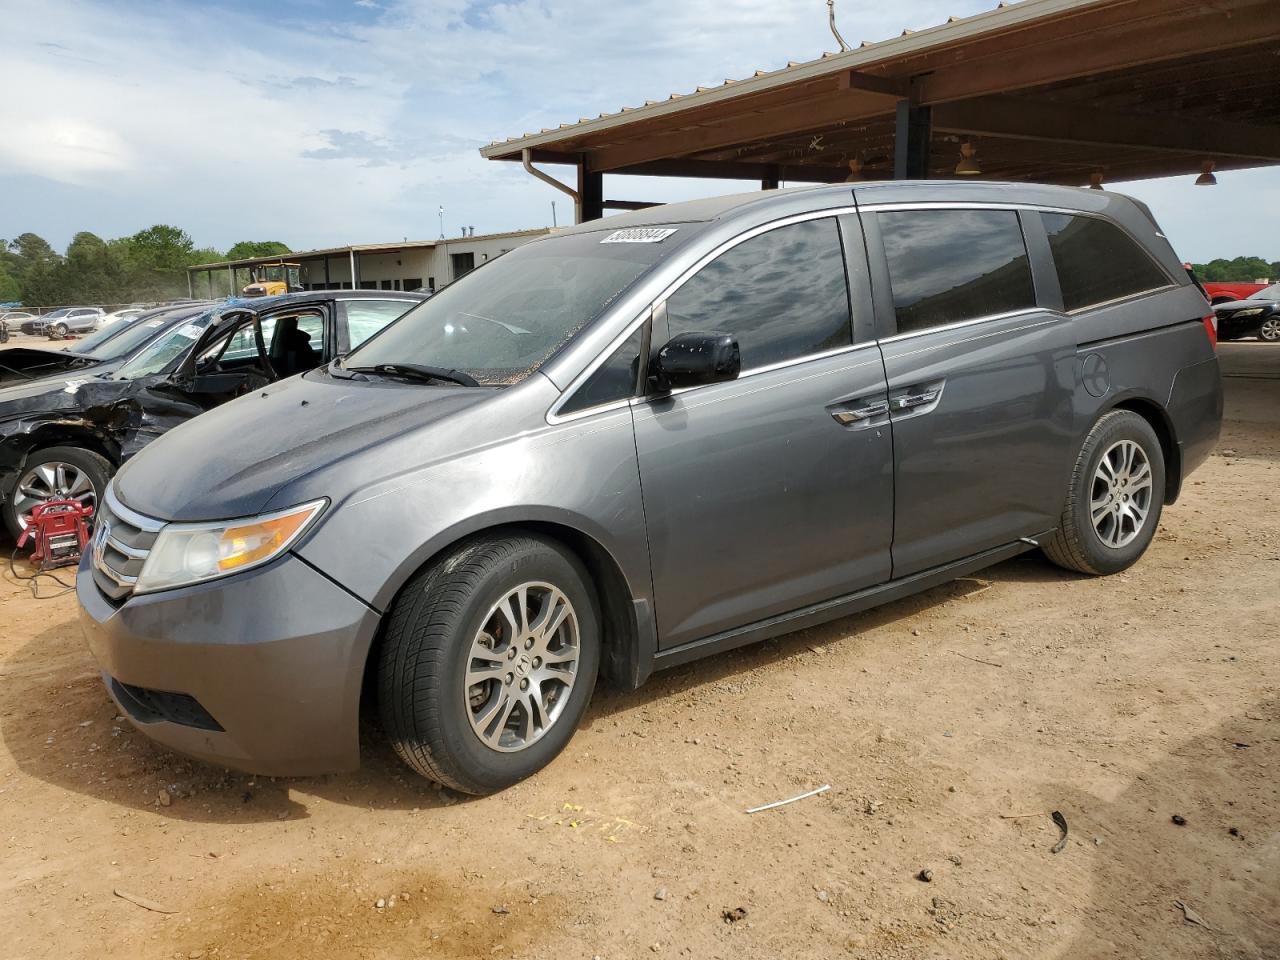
692	359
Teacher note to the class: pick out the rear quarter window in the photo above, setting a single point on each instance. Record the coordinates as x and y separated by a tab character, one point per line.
1098	262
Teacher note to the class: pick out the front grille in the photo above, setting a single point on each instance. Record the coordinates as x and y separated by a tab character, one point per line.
121	541
150	706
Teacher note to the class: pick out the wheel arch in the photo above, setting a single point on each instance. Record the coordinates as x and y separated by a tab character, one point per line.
628	634
1156	415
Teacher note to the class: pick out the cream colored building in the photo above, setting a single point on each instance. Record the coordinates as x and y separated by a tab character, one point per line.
411	265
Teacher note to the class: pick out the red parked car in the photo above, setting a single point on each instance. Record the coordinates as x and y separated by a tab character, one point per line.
1227	290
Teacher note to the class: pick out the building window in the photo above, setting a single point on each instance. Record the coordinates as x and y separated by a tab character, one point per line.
463	263
386	285
946	266
414	283
431	284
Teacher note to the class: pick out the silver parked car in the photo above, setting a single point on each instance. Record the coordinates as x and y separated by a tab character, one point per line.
58	323
641	441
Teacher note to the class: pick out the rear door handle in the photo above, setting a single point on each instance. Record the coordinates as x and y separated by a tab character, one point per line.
848	415
910	401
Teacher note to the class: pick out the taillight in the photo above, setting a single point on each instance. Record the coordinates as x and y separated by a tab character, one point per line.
1211	328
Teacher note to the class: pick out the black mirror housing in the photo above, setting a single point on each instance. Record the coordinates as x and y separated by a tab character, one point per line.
694	359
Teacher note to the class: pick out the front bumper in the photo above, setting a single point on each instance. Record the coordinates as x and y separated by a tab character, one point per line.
272	658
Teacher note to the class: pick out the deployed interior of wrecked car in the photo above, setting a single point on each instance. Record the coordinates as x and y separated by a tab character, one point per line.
294	343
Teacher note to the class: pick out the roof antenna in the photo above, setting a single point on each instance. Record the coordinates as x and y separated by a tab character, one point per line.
831	18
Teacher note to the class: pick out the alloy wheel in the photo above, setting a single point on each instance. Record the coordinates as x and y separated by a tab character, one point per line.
51	481
1270	330
521	666
1120	498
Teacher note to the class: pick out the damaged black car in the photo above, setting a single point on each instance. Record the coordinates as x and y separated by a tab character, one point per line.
65	431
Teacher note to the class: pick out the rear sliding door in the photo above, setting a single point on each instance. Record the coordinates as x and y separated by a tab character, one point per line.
979	380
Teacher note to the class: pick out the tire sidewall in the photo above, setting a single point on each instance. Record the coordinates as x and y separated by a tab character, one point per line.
491	769
98	469
1124	426
1263	337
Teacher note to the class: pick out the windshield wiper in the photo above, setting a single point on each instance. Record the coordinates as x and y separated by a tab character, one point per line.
418	371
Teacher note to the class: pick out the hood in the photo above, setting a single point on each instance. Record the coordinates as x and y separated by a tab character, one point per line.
230	461
23	364
66	391
1233	305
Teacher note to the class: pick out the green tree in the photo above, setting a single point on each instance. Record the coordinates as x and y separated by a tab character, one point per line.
248	249
10	288
162	247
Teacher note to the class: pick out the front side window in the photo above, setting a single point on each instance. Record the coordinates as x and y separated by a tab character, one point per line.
947	266
503	320
1098	262
367	317
782	294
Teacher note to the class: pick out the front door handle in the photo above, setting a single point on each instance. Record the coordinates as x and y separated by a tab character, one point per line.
847	415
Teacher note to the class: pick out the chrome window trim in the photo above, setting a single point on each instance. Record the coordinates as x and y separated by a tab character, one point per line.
985	318
1116	301
146	524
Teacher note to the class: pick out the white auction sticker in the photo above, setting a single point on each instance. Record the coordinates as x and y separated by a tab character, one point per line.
640	235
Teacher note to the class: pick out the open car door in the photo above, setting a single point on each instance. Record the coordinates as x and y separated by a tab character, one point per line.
229	359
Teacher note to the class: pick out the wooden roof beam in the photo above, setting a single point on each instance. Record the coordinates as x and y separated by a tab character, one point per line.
1137	44
728	170
1016	118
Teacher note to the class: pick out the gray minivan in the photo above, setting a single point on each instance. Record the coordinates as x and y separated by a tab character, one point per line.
641	441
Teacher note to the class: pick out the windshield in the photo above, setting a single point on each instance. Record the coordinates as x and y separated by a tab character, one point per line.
1267	293
502	321
90	345
121	339
165	349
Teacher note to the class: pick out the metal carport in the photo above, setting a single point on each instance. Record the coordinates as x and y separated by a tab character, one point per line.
1055	91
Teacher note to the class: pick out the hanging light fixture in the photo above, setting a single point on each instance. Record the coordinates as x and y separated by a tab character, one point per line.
1095	180
968	165
855	170
1206	178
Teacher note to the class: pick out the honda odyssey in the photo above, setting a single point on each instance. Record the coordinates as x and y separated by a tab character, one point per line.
641	441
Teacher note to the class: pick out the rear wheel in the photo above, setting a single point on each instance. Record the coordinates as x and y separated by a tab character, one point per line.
55	473
1115	497
488	662
1270	330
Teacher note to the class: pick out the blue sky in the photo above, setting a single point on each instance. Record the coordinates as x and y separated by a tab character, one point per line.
327	122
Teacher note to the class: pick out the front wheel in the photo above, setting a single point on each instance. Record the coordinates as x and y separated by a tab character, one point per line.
489	661
1114	499
59	331
1270	330
55	473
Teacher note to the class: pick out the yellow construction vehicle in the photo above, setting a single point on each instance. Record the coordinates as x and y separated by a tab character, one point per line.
270	279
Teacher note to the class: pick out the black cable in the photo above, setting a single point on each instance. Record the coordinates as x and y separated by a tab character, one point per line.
33	580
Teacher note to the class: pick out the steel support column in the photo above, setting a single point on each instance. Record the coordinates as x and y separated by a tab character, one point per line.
911	136
770	180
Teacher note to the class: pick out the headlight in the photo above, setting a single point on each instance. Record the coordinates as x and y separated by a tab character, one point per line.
192	552
1251	312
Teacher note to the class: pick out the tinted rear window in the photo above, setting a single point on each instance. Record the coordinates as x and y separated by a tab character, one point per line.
1097	261
946	266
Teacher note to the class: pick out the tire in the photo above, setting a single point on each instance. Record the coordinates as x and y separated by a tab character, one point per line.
59	331
450	611
1269	332
1114	544
95	469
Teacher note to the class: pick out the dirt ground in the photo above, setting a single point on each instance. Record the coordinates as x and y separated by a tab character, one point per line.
949	726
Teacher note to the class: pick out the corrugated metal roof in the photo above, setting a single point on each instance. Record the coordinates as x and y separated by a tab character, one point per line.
909	42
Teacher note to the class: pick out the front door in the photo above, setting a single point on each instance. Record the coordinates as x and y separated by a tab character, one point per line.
979	378
772	491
